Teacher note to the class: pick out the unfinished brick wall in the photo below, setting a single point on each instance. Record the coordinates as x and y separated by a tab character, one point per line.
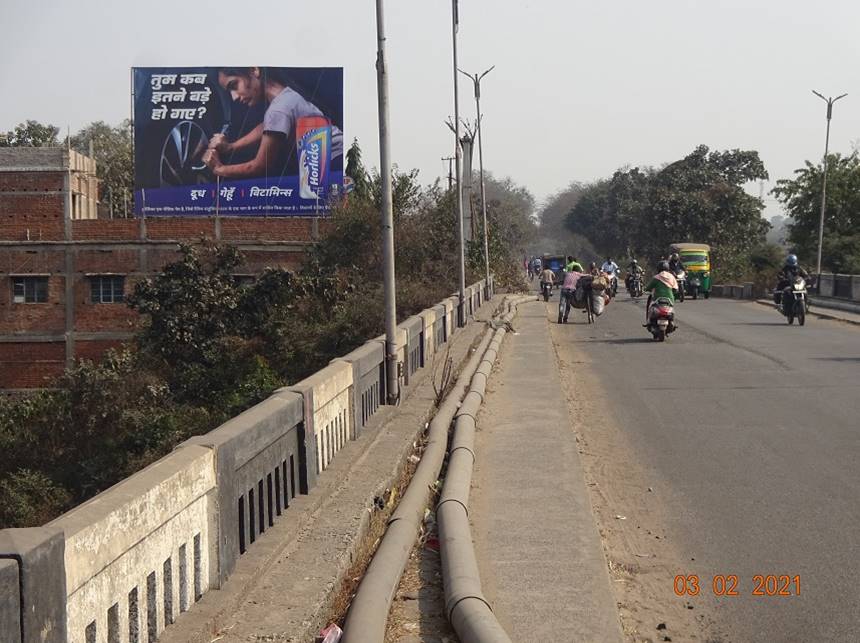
33	217
48	317
33	202
31	181
31	364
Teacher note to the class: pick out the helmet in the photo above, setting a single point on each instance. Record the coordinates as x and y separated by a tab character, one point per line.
663	266
675	256
634	263
791	260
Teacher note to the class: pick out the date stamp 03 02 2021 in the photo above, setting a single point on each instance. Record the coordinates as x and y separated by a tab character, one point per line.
728	585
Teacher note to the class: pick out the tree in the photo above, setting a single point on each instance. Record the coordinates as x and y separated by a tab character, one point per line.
553	235
112	149
31	134
801	198
194	331
698	198
356	171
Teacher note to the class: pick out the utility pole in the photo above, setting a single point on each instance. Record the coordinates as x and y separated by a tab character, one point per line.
830	100
461	306
450	159
477	81
392	367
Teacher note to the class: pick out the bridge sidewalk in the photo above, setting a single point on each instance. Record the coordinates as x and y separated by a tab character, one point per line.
540	556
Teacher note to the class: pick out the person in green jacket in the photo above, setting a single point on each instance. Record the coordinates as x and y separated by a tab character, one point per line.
572	265
662	285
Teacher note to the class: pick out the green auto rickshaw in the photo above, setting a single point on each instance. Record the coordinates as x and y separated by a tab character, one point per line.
696	258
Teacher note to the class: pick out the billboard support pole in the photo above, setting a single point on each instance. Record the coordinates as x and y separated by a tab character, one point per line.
392	367
461	305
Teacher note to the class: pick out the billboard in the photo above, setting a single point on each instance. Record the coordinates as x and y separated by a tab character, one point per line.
239	141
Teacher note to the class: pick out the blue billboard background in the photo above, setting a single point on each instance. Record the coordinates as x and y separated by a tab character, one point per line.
242	141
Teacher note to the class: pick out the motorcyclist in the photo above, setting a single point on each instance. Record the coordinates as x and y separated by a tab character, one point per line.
675	264
572	265
662	285
786	276
547	277
633	268
609	267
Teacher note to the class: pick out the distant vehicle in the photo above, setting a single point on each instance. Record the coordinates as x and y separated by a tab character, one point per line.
696	258
634	287
681	278
546	290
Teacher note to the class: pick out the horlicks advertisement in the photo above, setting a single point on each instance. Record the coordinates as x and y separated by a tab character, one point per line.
237	141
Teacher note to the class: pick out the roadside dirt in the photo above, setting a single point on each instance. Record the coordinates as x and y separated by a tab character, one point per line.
417	613
629	514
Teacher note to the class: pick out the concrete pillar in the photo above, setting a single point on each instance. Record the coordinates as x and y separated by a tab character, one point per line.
40	556
825	284
855	287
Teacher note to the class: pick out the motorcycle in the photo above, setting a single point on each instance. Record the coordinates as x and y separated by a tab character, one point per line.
613	284
546	290
794	303
661	319
695	285
681	278
635	287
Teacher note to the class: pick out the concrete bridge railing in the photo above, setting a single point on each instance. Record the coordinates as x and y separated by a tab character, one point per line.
839	286
846	287
127	563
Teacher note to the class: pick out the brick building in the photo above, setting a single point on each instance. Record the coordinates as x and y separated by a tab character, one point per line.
65	272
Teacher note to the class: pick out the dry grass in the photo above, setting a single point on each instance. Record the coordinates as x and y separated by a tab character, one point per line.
380	513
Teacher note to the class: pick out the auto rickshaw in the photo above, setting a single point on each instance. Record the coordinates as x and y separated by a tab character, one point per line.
696	258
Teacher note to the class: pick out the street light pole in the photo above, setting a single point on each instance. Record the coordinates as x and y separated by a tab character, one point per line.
461	306
391	364
476	79
830	100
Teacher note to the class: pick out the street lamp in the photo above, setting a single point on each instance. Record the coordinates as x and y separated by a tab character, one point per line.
476	79
830	100
391	365
461	306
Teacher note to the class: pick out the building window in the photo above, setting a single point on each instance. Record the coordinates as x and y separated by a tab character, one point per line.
29	290
108	289
244	281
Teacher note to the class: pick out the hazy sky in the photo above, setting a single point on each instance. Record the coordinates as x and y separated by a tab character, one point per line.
580	88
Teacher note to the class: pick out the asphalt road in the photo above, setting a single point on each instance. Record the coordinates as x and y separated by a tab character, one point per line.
753	429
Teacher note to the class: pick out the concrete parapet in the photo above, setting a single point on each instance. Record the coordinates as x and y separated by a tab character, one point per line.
40	594
368	375
440	328
139	554
825	284
450	314
414	328
258	471
10	603
328	406
125	564
428	316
